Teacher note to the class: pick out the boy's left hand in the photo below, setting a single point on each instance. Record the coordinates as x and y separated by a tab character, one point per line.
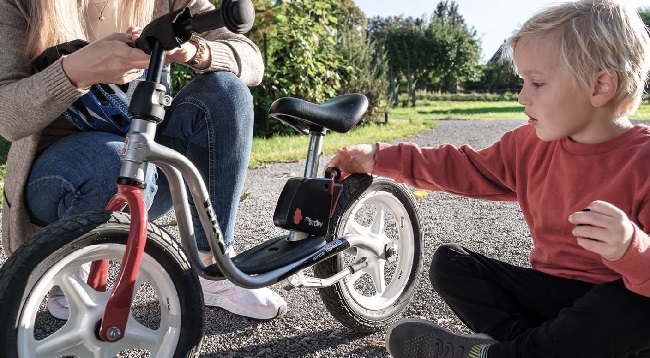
604	230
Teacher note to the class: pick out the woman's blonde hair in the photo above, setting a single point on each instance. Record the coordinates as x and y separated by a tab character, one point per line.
593	35
56	21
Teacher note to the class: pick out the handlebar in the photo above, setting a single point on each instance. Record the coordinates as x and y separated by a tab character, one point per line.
176	28
172	30
237	16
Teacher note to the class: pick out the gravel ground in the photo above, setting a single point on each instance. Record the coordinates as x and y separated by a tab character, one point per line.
307	330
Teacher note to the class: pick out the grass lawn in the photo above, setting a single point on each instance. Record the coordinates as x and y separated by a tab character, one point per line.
478	110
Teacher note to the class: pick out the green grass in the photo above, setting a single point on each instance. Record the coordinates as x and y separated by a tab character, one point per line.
462	110
292	148
478	110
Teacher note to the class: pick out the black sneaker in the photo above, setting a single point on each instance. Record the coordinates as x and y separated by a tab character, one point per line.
415	337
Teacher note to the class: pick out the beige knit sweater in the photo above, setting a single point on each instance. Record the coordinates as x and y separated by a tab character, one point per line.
30	102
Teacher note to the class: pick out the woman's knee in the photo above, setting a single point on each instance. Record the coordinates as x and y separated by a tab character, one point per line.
222	89
77	172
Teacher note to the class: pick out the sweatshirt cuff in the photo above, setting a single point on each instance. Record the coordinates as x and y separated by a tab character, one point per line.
385	165
633	265
58	84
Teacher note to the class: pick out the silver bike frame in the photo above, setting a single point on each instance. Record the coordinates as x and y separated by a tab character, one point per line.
140	149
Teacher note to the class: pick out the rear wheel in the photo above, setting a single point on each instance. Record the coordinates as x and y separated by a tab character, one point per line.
166	317
372	298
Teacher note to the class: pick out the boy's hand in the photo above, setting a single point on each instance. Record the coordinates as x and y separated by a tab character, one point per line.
604	230
355	159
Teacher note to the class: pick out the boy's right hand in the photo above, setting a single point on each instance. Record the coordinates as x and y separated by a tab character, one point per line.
108	60
355	159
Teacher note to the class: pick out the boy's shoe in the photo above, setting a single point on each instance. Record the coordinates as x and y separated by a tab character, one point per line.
415	337
259	303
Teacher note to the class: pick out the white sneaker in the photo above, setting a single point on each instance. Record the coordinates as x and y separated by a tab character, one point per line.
57	304
259	303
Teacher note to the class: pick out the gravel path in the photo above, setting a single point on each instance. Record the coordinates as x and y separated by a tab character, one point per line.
307	330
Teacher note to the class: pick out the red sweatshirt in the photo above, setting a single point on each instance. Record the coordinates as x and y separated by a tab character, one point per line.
550	180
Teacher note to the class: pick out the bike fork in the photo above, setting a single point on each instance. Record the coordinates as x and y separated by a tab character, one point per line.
118	307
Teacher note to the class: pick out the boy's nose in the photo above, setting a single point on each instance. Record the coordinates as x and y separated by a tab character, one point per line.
522	98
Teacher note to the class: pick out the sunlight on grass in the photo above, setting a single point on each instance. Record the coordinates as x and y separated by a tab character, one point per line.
463	110
643	112
479	110
292	148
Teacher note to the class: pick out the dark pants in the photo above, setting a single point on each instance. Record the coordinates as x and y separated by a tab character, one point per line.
534	314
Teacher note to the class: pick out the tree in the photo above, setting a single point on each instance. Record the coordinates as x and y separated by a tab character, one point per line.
442	52
408	50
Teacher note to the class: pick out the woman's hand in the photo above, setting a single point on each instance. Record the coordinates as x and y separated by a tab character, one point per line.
603	229
182	54
108	60
355	159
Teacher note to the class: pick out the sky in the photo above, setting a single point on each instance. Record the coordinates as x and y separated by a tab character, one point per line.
494	21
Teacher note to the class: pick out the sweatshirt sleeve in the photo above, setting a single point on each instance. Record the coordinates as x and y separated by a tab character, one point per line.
28	101
484	174
230	52
634	266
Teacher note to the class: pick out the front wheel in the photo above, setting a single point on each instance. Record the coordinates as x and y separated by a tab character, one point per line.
166	318
370	299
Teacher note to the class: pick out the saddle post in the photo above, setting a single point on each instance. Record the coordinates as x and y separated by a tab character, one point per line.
311	167
314	152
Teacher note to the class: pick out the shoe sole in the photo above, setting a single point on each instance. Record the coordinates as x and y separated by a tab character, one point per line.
57	312
428	347
217	301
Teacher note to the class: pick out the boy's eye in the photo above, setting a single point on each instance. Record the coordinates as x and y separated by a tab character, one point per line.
537	84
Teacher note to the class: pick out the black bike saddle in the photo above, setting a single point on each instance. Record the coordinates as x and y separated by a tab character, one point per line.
339	114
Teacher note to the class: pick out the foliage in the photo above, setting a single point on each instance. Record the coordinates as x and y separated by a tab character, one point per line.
440	53
301	43
366	71
458	53
644	12
304	62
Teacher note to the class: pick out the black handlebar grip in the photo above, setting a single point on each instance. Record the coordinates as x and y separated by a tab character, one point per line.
236	15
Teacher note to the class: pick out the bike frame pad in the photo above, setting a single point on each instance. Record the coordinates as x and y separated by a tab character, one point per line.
276	253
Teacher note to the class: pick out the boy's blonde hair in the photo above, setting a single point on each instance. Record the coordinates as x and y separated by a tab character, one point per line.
594	35
55	21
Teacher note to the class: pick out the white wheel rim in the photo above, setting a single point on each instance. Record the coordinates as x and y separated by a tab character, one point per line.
77	336
403	242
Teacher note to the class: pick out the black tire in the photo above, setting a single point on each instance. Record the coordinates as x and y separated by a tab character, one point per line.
339	299
23	276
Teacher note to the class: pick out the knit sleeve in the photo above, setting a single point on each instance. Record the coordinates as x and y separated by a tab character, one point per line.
487	174
28	102
230	52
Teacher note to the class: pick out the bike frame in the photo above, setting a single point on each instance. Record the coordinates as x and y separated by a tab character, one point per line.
141	149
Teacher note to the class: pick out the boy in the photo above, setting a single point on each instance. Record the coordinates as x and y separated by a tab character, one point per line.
580	171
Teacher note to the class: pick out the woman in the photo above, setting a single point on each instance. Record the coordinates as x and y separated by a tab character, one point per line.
57	168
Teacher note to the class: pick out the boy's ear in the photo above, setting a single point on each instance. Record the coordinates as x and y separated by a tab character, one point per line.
604	88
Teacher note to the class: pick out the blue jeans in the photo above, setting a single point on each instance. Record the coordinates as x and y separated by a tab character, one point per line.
210	121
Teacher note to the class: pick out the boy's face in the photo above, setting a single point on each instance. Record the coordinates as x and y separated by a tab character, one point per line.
555	106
